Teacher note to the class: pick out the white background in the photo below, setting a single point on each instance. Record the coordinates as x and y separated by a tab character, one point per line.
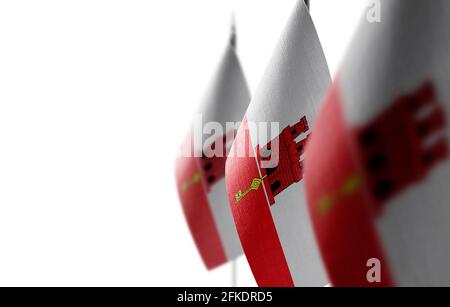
95	97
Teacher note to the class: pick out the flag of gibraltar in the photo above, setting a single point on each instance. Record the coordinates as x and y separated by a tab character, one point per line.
377	168
201	177
267	199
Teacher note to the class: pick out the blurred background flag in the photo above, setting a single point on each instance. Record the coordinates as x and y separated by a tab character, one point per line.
377	167
200	169
267	197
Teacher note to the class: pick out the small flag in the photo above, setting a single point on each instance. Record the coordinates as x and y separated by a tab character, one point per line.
264	175
200	172
377	167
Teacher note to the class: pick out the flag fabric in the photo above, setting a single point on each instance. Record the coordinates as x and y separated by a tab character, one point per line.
267	199
377	168
201	176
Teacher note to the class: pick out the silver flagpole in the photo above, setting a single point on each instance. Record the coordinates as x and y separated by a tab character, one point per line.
234	273
233	43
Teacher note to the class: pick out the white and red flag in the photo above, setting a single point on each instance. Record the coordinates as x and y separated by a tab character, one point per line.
200	169
377	168
264	174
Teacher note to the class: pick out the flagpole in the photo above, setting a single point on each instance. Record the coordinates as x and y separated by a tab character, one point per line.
233	44
234	273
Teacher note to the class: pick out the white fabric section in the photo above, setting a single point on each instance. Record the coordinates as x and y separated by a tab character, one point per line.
415	231
228	96
293	86
410	45
220	207
395	56
297	77
294	228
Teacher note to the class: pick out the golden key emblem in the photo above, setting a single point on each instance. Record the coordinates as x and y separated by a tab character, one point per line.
254	186
194	180
351	186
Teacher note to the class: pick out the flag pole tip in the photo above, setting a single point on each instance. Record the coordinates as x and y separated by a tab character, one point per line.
233	36
307	4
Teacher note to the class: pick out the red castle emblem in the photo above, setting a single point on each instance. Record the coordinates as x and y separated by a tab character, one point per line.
289	169
396	147
214	167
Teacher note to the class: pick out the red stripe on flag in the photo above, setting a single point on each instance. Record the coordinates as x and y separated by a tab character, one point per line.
252	216
341	216
198	214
